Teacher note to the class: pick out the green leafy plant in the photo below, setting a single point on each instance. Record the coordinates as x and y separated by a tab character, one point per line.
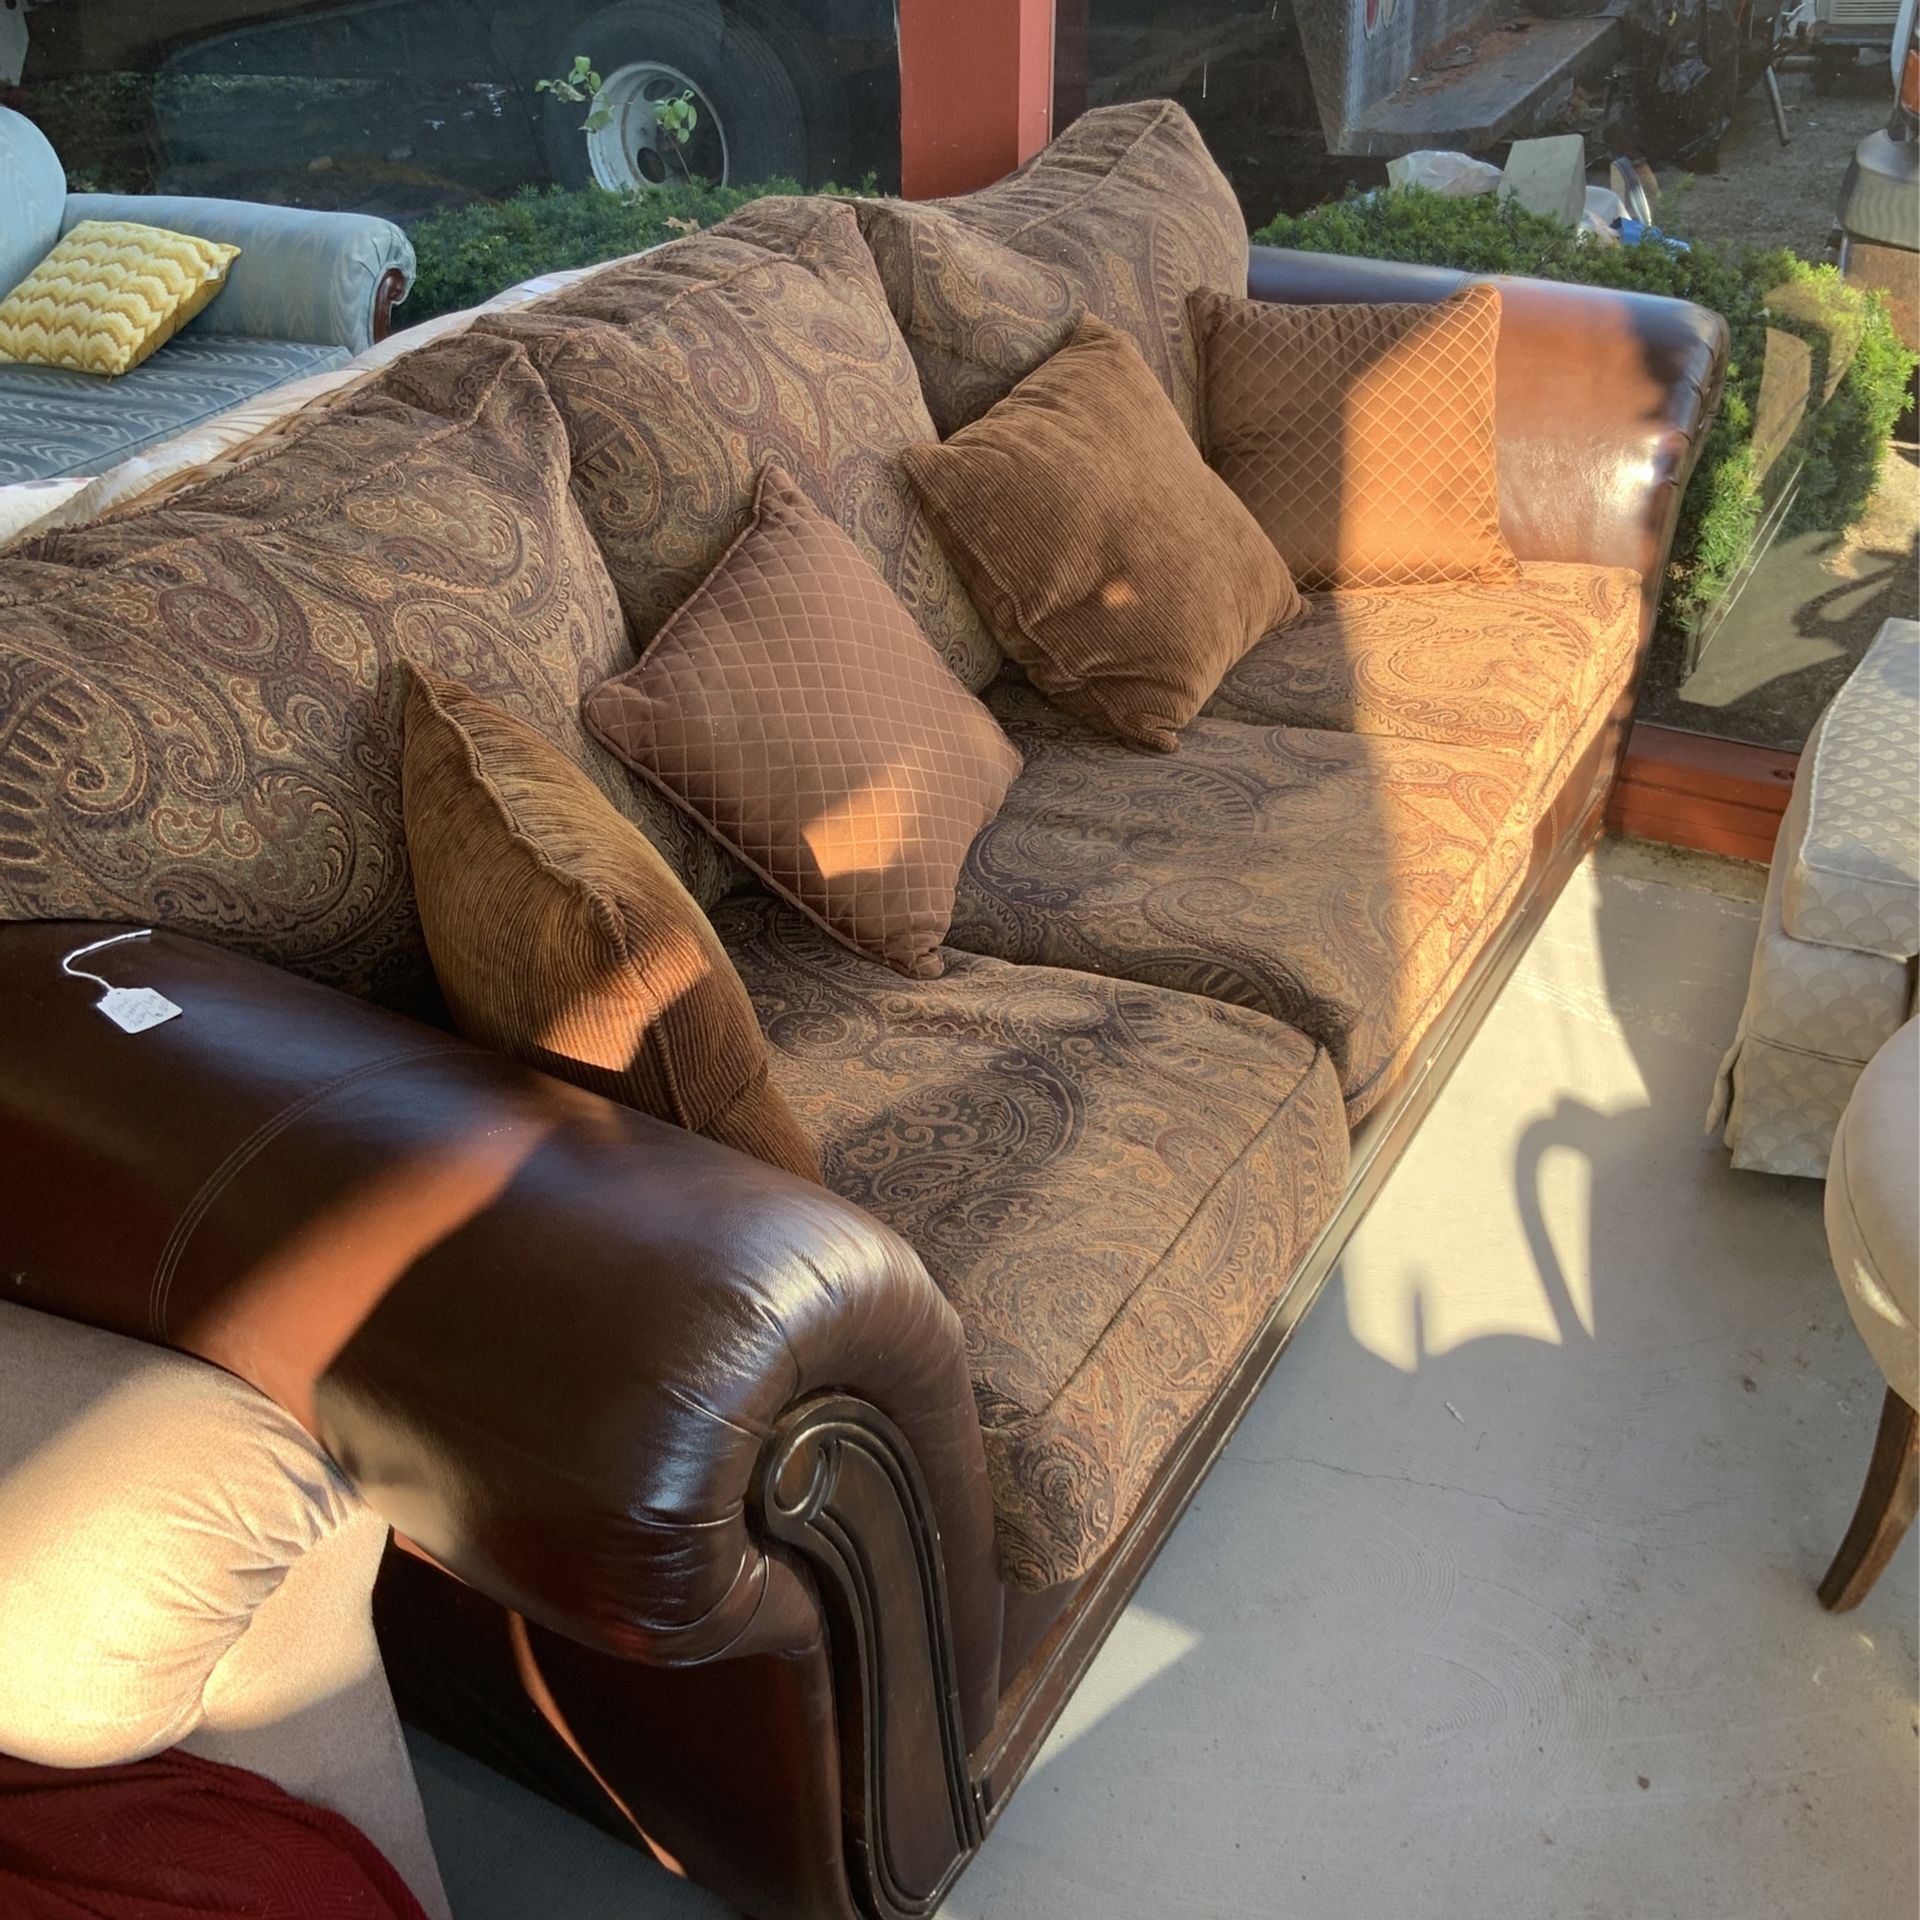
1843	443
580	86
677	117
469	254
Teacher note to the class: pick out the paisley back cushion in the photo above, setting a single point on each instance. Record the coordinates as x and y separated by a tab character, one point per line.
683	374
200	703
978	317
1129	209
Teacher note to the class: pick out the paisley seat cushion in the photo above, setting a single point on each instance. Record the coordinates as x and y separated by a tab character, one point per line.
1528	669
1340	882
1109	1181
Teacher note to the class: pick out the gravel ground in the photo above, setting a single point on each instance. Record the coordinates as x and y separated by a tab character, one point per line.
1765	194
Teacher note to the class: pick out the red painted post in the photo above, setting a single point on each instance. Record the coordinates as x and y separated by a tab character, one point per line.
976	91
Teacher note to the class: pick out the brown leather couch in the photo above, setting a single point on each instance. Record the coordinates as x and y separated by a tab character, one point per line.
771	1526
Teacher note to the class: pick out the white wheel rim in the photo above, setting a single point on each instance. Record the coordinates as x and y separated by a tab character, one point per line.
633	152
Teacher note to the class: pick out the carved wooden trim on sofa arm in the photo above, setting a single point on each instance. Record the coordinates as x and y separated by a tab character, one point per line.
387	295
839	1485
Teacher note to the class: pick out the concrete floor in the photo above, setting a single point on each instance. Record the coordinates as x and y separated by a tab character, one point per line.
1500	1603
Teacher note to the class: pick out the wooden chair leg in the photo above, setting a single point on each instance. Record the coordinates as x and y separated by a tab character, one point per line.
1886	1508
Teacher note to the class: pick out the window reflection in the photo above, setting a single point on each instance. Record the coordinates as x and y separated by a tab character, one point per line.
1240	67
411	107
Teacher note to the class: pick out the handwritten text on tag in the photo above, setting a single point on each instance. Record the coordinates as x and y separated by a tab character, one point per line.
135	1009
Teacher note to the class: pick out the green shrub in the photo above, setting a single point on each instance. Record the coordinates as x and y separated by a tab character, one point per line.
1847	445
1844	442
469	254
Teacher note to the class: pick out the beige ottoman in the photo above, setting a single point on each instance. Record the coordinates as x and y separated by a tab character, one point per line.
1873	1230
1833	966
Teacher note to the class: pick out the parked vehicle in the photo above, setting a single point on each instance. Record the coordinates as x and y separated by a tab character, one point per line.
1880	197
1840	31
402	96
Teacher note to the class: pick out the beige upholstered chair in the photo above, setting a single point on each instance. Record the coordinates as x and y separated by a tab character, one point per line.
1833	968
180	1565
1873	1229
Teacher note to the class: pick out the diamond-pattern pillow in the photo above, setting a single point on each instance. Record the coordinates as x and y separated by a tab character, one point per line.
1360	436
793	706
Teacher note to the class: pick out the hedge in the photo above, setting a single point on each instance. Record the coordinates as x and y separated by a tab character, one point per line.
1845	441
469	254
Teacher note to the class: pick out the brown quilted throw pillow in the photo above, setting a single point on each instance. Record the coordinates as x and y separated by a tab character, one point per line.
563	940
1111	563
1129	209
794	707
681	375
1360	436
200	703
978	317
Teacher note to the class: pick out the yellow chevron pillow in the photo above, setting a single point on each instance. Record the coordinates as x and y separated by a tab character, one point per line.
109	294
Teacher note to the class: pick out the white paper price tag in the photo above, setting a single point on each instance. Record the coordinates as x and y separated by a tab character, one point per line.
135	1009
131	1009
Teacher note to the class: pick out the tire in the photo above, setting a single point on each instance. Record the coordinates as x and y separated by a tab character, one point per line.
751	125
822	90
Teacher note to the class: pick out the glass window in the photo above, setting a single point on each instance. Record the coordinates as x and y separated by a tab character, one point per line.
1239	67
413	107
1300	100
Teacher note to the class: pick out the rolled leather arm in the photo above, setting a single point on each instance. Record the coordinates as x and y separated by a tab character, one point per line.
1603	399
328	279
544	1335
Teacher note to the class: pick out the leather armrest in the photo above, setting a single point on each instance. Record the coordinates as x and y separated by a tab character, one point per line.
1602	402
544	1335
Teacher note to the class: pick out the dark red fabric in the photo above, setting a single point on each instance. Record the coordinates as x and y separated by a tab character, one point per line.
180	1838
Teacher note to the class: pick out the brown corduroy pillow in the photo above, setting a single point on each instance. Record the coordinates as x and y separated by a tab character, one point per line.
563	940
794	707
1360	436
1109	561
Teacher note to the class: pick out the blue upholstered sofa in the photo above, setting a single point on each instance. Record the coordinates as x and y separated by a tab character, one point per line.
308	291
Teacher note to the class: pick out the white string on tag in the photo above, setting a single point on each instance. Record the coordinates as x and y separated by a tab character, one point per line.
131	1009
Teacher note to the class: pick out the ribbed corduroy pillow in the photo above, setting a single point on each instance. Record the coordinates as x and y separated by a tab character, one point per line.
563	940
1109	561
